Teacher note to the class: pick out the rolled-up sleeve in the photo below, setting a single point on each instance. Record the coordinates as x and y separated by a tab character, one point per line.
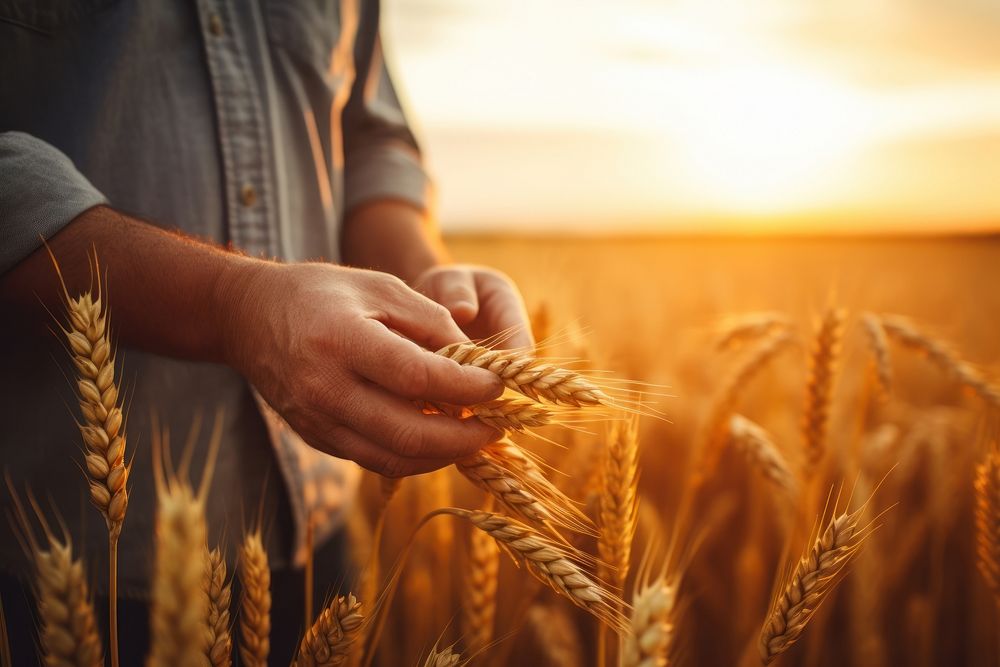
381	156
41	191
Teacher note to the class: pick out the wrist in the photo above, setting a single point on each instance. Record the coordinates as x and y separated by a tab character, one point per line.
235	304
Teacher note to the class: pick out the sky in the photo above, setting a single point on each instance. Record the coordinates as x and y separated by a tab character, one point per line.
705	115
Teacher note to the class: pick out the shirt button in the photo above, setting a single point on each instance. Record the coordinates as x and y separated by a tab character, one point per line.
248	195
215	24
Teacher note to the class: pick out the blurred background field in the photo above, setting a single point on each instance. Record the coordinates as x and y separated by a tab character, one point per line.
649	309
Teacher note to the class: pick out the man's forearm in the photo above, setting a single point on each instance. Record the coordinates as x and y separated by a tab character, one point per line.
165	289
393	237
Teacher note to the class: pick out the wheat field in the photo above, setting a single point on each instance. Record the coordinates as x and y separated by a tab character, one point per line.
723	452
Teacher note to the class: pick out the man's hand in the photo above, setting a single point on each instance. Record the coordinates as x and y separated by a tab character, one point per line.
320	343
483	301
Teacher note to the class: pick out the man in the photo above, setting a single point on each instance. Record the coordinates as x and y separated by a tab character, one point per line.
242	130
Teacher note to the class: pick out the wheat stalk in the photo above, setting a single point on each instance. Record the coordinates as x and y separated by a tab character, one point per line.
879	344
88	337
756	445
219	589
819	386
987	486
255	605
809	583
943	355
618	502
479	590
504	471
553	564
647	643
533	377
332	637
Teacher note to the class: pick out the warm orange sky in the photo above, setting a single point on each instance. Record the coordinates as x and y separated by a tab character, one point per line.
706	115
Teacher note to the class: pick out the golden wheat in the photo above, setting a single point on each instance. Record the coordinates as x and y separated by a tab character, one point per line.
619	504
508	475
809	583
878	342
68	630
943	355
533	377
479	590
88	337
219	589
647	643
725	404
255	605
987	487
444	657
503	414
756	445
180	606
819	386
736	330
553	564
89	340
333	636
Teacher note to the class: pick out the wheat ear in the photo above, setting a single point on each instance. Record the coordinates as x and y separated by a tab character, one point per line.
331	639
647	643
819	386
444	657
987	487
479	590
757	446
619	505
68	631
88	337
878	342
219	588
179	613
503	414
724	405
533	377
503	470
943	355
555	565
808	584
736	330
255	605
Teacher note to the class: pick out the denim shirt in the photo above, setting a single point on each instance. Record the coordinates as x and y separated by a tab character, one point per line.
254	123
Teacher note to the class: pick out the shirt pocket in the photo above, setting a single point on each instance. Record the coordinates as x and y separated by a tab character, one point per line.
48	16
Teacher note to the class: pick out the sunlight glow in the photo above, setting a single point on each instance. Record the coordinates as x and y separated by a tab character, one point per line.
705	115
